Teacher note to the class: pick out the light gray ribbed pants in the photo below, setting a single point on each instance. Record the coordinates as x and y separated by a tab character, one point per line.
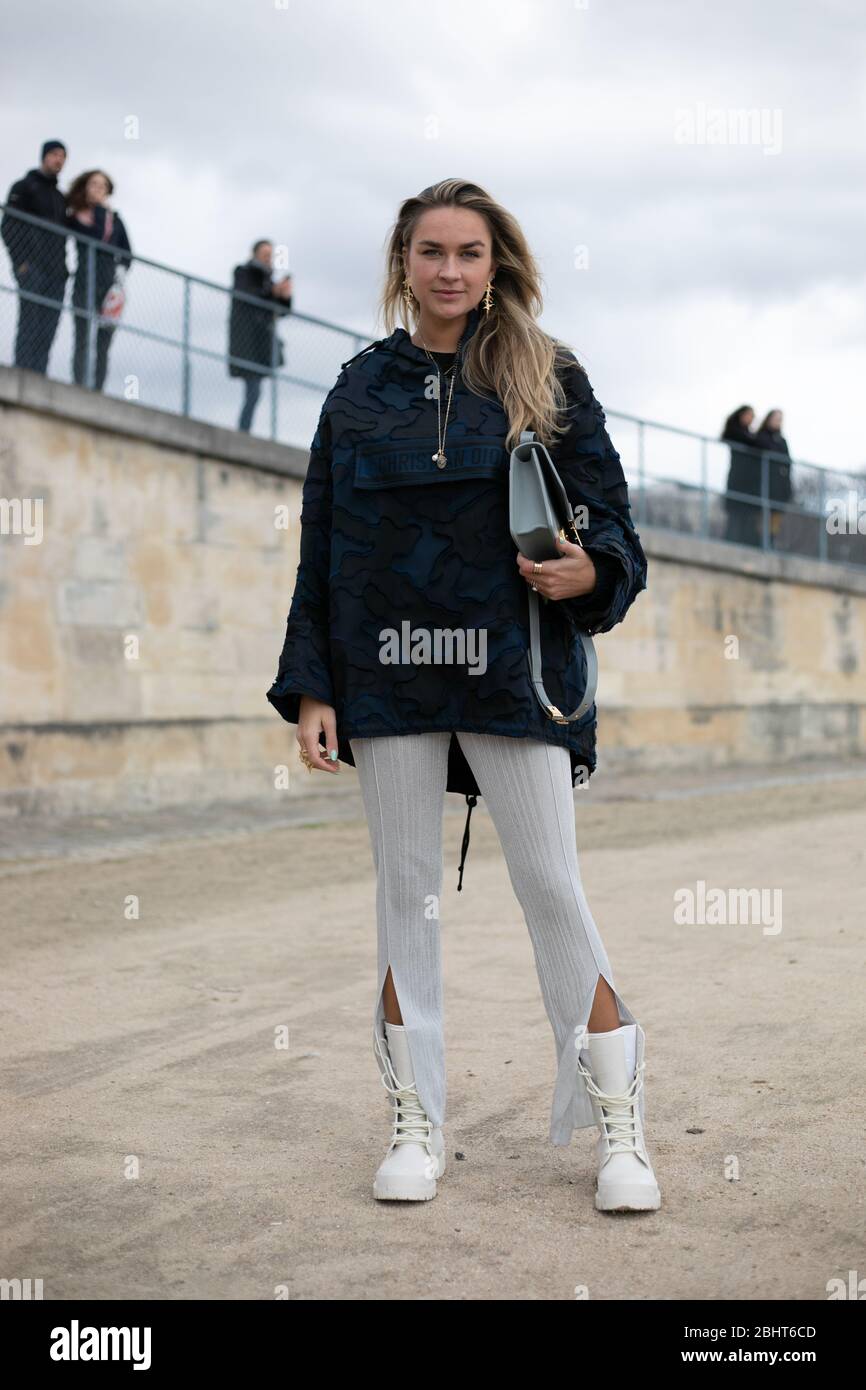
526	785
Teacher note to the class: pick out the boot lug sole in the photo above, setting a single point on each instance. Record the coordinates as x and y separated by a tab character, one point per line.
404	1196
644	1201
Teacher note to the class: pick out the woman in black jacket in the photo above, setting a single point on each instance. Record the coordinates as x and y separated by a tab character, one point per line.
406	650
91	217
744	476
770	440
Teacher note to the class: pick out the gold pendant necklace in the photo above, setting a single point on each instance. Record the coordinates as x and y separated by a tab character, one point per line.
440	458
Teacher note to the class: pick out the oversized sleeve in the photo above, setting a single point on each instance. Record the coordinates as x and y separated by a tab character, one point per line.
304	666
591	471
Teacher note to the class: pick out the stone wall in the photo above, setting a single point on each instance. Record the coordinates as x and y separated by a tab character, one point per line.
138	637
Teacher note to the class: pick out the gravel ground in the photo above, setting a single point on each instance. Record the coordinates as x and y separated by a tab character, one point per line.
157	1144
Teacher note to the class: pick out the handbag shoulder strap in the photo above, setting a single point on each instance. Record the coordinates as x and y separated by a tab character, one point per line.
535	659
535	668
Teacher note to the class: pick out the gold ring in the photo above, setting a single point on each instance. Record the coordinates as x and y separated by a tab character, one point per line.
534	587
305	759
536	568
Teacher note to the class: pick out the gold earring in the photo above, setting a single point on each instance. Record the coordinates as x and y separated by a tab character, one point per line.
488	298
408	294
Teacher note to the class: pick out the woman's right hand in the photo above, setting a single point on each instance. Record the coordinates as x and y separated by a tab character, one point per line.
313	716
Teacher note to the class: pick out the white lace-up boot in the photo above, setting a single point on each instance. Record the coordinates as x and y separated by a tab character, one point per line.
416	1154
626	1181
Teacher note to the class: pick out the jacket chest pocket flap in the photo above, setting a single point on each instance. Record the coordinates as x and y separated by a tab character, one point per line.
409	461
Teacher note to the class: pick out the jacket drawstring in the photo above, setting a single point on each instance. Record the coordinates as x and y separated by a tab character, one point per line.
471	800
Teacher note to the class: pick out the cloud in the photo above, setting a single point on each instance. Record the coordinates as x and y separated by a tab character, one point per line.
716	271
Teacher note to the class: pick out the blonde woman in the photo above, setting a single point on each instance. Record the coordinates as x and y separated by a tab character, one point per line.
405	656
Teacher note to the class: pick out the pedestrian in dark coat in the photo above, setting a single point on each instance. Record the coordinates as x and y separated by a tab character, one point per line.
770	440
406	649
744	476
91	217
38	256
254	346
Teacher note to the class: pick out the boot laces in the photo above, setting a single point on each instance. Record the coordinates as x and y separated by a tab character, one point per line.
411	1124
619	1113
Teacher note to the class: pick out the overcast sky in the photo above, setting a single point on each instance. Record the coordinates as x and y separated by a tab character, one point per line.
717	272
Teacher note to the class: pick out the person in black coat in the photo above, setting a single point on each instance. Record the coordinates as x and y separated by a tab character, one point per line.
770	440
93	220
254	347
38	255
744	475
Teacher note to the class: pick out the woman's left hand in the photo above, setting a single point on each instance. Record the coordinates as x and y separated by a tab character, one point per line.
570	576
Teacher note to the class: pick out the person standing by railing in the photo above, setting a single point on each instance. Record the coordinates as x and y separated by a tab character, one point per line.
90	216
744	475
254	347
769	439
38	256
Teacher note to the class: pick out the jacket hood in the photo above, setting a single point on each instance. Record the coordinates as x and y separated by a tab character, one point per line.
400	343
41	174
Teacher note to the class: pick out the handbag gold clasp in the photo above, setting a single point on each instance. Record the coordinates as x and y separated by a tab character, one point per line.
574	532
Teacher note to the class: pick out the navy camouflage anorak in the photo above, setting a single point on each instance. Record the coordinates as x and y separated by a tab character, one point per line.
393	544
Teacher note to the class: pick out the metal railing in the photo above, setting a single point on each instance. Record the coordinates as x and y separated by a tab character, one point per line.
170	349
678	480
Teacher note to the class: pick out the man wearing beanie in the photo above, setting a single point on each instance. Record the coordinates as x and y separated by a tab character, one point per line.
38	255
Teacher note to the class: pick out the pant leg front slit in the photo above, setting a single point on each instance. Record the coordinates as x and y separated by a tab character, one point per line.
527	787
403	779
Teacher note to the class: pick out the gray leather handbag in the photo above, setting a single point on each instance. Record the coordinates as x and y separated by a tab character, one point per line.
539	512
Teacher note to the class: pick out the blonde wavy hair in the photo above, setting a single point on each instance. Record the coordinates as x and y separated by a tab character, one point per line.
508	354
